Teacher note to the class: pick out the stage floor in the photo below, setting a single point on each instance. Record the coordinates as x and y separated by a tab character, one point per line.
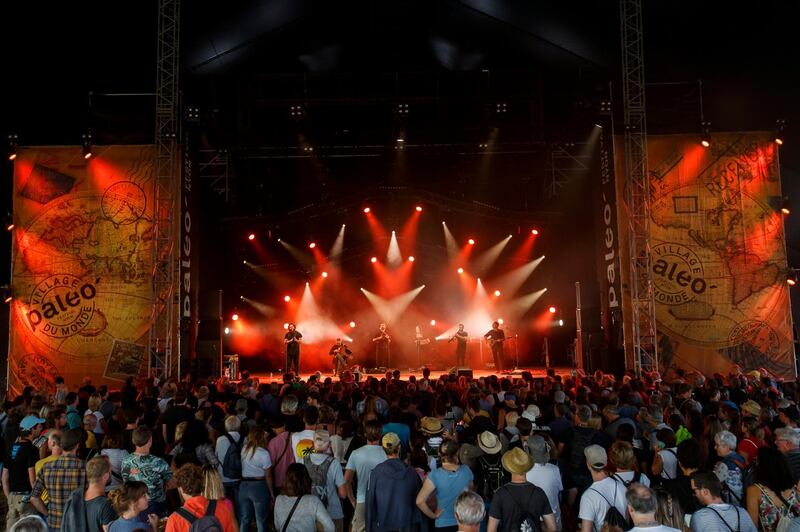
537	372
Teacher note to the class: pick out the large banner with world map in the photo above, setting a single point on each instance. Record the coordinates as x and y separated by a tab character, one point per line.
81	265
718	253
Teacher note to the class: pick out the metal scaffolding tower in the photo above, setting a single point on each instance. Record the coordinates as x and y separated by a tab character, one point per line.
643	316
162	316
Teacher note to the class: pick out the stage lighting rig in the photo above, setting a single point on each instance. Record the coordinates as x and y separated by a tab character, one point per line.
786	207
792	277
12	146
780	125
9	222
87	144
8	296
705	138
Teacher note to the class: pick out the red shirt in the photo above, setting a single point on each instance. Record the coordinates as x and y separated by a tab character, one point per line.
197	507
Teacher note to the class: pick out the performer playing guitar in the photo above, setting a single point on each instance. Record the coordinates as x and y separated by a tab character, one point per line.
341	354
495	339
461	338
292	341
382	341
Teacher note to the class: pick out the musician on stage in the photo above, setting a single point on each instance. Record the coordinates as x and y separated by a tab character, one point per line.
382	341
495	338
461	338
340	353
292	341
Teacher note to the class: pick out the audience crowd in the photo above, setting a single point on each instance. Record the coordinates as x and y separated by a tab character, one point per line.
501	453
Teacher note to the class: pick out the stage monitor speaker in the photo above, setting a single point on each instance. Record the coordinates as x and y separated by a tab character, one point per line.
375	371
464	372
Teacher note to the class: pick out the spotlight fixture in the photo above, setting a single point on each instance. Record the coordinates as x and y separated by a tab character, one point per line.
8	296
235	317
324	275
534	232
352	324
500	108
705	138
780	125
418	208
227	330
605	106
460	270
500	321
552	310
402	108
9	222
367	210
411	258
560	323
244	262
471	241
87	144
296	111
497	293
786	208
287	298
312	245
373	260
12	146
251	236
285	325
433	322
792	277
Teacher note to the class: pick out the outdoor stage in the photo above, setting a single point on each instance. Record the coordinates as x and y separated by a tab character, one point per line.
538	372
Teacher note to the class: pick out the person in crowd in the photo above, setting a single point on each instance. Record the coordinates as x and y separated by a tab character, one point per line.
327	477
519	503
213	490
614	420
19	473
665	460
177	412
297	509
773	492
470	511
60	478
303	441
752	439
112	449
447	482
29	523
642	508
191	483
54	449
361	463
392	491
129	502
603	493
194	445
74	418
730	466
689	462
255	489
545	475
787	440
670	511
624	461
716	514
150	469
90	510
230	443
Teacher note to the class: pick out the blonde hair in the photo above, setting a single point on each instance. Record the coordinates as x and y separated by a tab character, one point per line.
180	428
621	455
213	490
257	437
94	402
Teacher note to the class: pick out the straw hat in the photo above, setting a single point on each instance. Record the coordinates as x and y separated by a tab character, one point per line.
431	426
489	443
517	461
751	408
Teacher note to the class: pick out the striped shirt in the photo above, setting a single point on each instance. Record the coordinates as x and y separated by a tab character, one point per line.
60	477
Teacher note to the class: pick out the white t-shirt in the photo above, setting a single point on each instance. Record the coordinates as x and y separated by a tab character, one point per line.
669	459
222	448
334	479
339	447
254	464
302	444
627	476
363	460
548	477
594	506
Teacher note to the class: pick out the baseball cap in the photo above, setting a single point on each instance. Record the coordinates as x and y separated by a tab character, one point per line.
390	442
28	422
596	457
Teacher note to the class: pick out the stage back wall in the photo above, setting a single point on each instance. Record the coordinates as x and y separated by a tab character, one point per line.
81	264
718	253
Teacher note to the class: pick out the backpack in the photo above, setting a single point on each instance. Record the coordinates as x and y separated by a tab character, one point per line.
232	464
207	523
732	478
527	521
614	517
627	485
494	476
319	477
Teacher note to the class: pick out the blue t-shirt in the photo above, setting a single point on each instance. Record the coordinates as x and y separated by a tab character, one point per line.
363	460
449	485
127	525
402	431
